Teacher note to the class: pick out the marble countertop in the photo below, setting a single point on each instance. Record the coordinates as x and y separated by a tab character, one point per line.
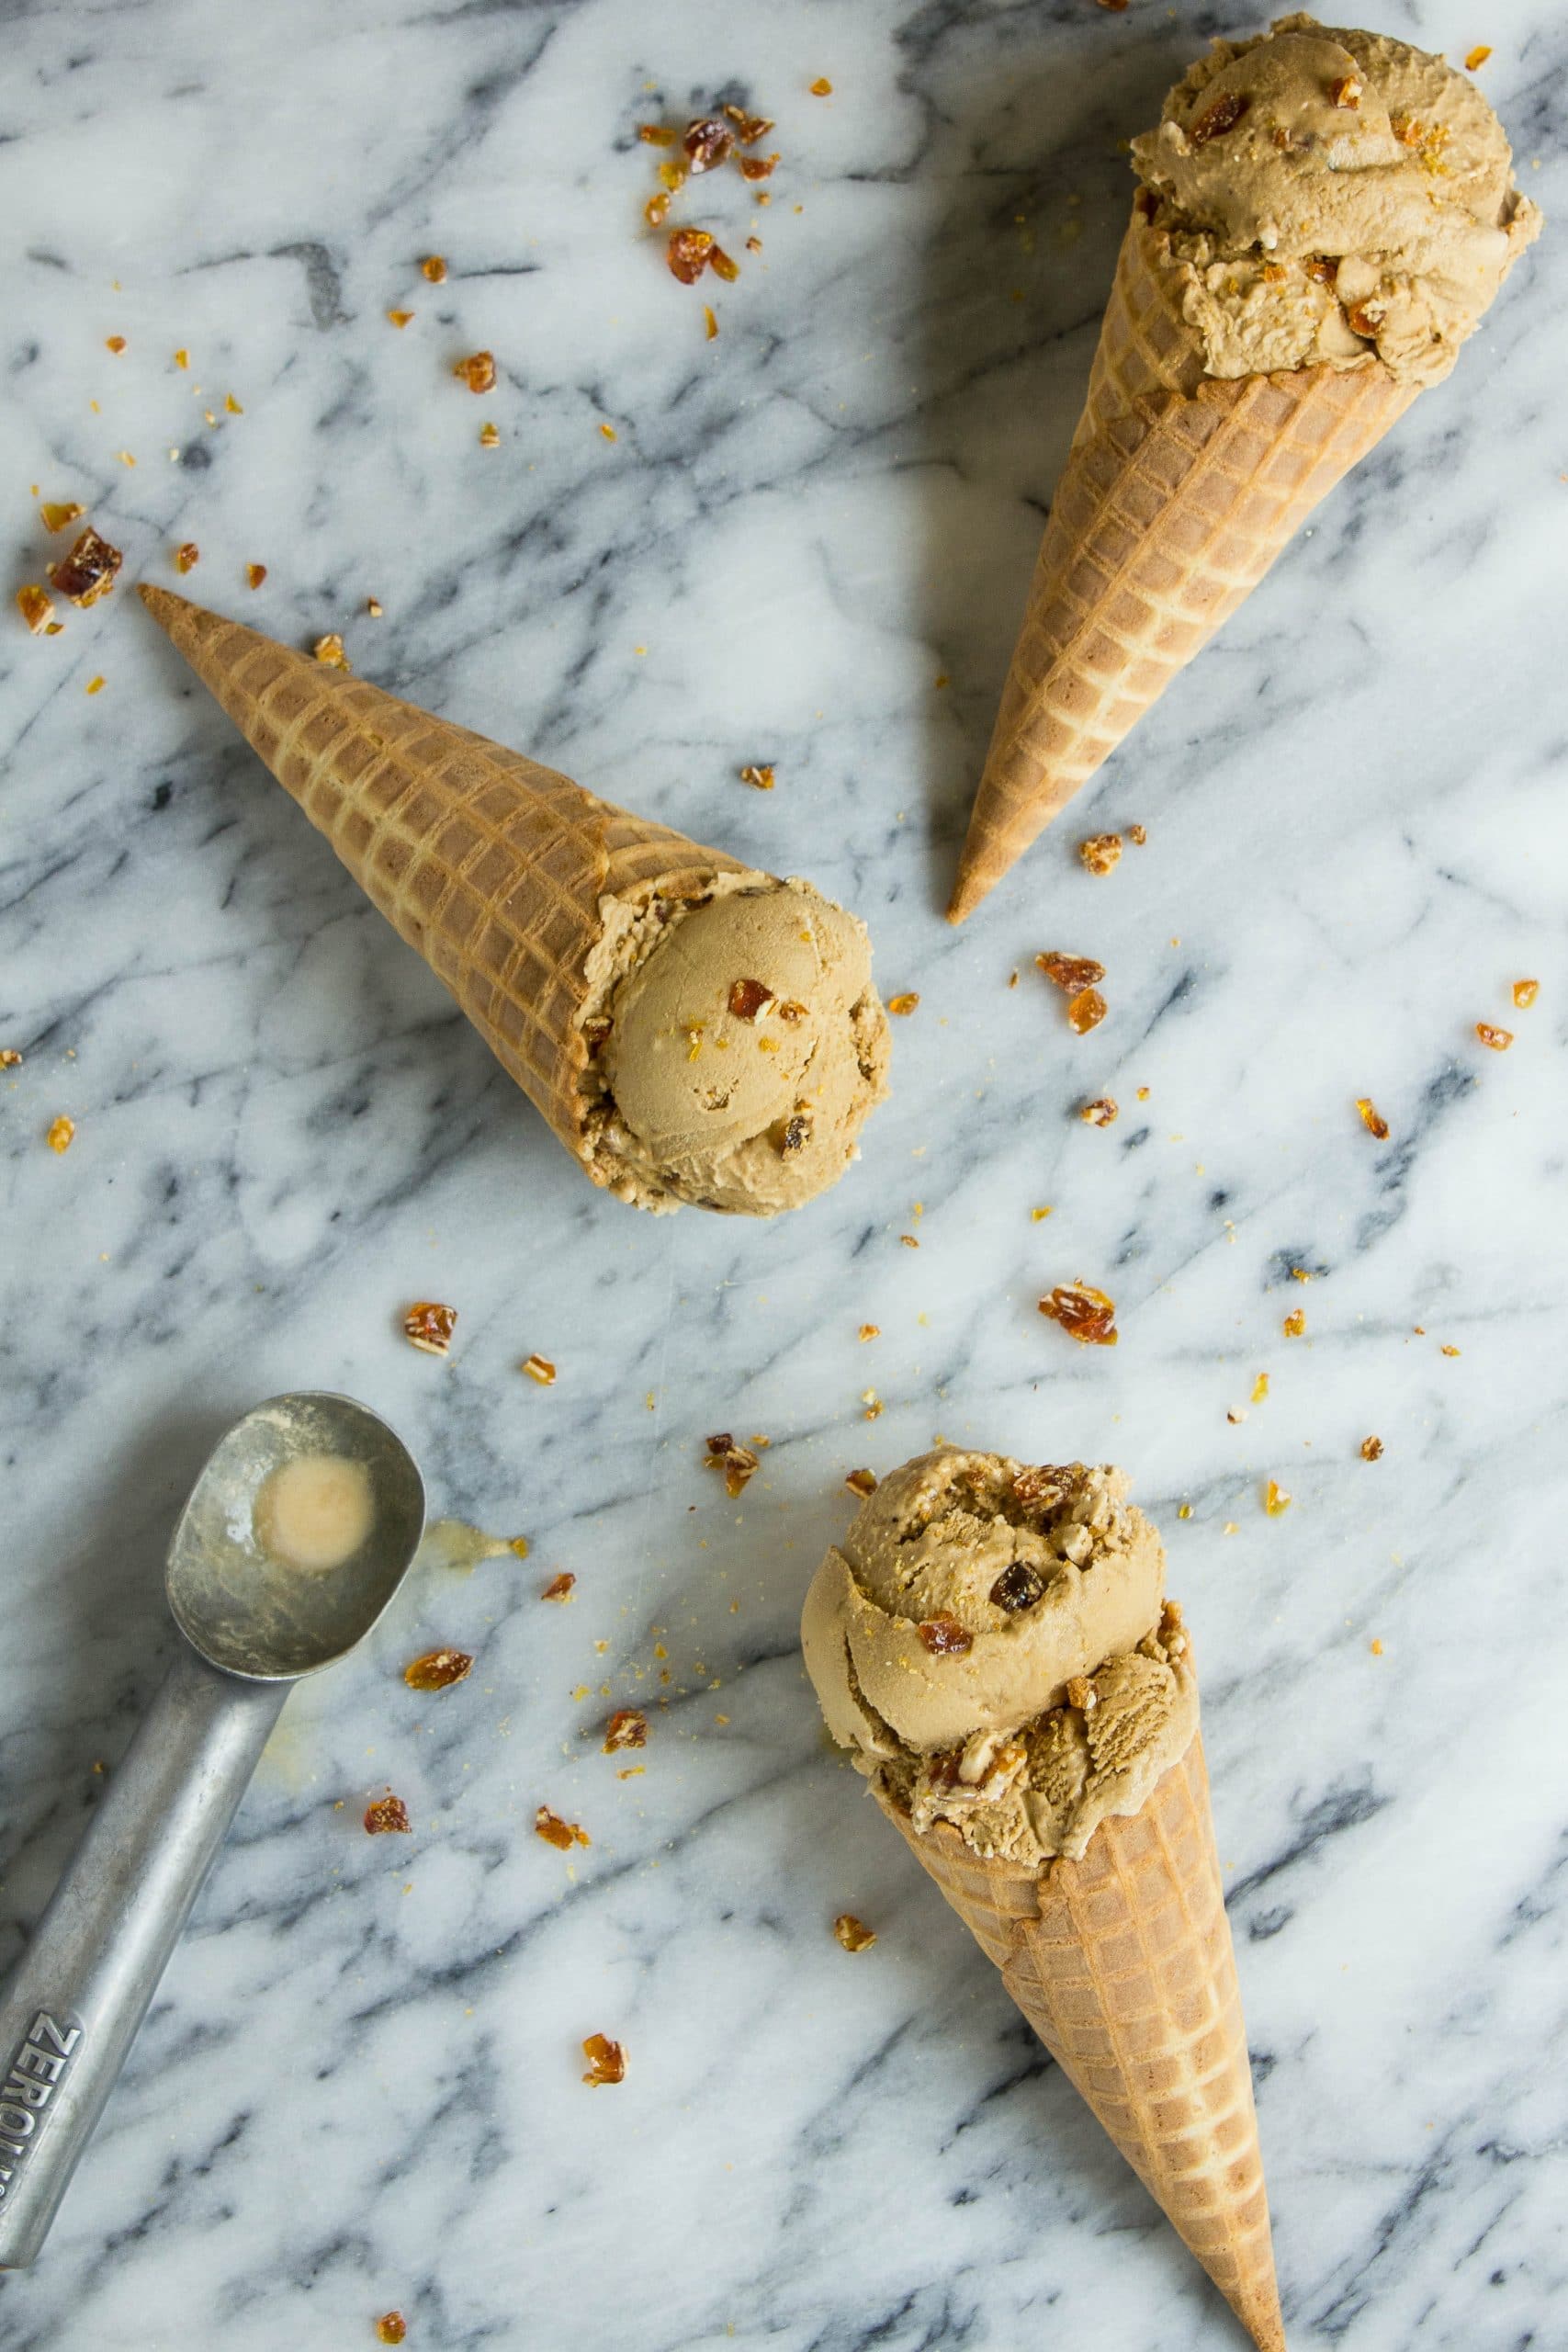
805	543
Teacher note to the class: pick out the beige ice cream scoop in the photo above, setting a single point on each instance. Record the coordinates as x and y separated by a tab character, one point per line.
987	1641
743	1046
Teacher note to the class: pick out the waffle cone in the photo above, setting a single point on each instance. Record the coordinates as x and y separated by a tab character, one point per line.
492	867
1178	491
1122	1964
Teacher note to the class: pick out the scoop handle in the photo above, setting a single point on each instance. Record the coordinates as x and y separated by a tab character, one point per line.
70	2007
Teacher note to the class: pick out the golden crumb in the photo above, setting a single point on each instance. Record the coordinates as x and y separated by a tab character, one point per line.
181	357
1477	57
187	555
55	514
36	607
862	1483
428	1326
822	87
329	651
609	432
1260	1388
871	1332
1448	1351
433	267
478	371
1295	1323
1525	991
400	319
1371	1118
1102	1113
373	606
1184	1511
540	1369
903	1005
254	574
1276	1501
1102	852
853	1933
1371	1448
1036	1214
760	775
95	685
61	1133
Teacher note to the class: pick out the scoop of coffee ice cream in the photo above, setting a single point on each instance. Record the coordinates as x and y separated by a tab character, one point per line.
992	1644
738	1045
1331	194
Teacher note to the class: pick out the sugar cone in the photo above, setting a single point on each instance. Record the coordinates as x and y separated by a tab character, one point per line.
1122	1964
1178	491
492	867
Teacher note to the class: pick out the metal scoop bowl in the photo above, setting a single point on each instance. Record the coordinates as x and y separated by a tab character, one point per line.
252	1626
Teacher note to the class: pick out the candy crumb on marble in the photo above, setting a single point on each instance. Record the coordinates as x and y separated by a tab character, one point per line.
478	371
903	1005
391	2328
429	1325
1371	1448
55	514
9	1058
869	1331
1276	1501
187	555
1526	993
1102	852
1071	973
37	608
386	1816
559	1588
1371	1118
862	1483
329	651
1490	1034
61	1133
433	267
254	574
738	1463
759	775
627	1727
562	1835
1102	1113
1476	58
438	1669
88	572
853	1933
1295	1323
540	1370
606	2061
1084	1313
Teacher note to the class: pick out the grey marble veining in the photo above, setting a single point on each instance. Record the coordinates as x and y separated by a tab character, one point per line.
807	543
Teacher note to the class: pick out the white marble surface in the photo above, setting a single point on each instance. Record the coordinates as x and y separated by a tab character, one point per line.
359	2087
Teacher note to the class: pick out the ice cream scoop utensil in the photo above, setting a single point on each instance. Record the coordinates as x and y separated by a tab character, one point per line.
251	1625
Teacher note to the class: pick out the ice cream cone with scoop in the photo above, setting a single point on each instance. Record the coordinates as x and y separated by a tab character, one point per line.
693	1030
1322	219
992	1644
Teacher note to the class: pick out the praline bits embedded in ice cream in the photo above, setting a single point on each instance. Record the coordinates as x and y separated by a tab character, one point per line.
992	1643
1329	194
737	1045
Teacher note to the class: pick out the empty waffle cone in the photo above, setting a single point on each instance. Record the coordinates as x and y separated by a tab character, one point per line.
492	867
1122	1964
1178	491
